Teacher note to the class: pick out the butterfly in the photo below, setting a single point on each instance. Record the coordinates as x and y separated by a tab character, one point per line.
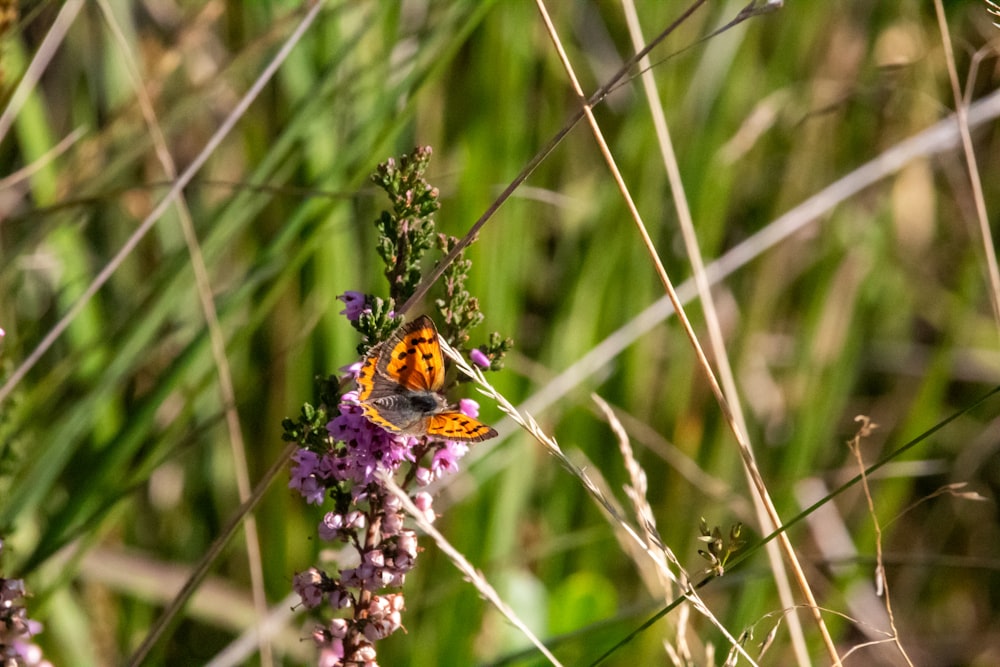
400	382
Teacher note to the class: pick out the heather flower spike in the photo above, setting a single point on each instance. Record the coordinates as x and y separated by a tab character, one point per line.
349	439
16	629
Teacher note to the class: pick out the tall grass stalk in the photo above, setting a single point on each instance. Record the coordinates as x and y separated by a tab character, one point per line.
183	195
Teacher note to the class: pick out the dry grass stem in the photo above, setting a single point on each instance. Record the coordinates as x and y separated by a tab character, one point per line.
536	160
200	571
701	480
867	426
48	157
217	339
744	448
940	137
994	9
528	423
474	576
168	199
715	337
636	492
46	50
989	248
953	489
109	269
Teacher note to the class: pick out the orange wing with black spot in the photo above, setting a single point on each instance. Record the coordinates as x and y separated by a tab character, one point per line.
412	356
399	387
409	359
457	426
366	376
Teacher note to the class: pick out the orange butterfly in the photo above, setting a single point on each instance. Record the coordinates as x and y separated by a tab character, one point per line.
400	382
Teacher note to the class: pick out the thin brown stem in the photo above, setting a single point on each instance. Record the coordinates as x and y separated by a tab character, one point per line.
744	448
867	426
601	93
962	115
217	339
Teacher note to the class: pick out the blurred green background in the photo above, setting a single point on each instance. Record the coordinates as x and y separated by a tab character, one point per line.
117	470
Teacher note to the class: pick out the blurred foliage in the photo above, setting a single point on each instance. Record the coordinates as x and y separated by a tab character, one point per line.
115	467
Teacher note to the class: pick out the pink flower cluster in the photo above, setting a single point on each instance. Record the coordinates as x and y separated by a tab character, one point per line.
372	522
16	629
362	448
383	617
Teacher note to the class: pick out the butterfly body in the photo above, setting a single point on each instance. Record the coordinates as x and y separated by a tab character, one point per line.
400	382
407	411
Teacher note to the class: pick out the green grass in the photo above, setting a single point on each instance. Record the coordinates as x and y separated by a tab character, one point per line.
114	445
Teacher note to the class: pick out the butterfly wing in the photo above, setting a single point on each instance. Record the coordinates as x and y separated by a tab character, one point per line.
457	426
376	416
371	385
399	387
399	378
367	374
412	357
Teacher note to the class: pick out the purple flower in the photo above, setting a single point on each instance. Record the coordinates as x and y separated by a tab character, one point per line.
352	370
349	399
372	574
392	517
446	458
354	304
341	526
341	598
423	476
407	543
364	656
309	586
304	478
404	554
331	643
305	464
27	653
11	590
375	559
384	616
16	629
468	407
374	523
367	447
479	358
423	501
332	654
339	628
351	420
